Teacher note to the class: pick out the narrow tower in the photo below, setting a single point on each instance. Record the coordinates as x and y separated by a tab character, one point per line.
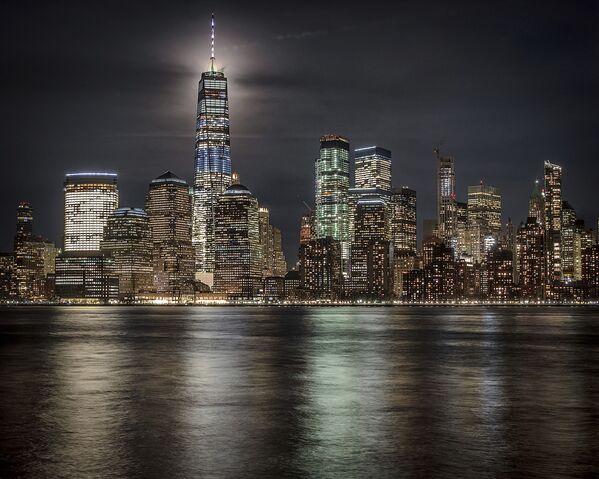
212	173
446	198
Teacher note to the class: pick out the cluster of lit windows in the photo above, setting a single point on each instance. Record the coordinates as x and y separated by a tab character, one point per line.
238	261
212	164
87	203
403	219
332	184
373	168
127	241
168	206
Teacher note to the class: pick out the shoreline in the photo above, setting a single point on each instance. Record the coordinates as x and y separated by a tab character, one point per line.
312	304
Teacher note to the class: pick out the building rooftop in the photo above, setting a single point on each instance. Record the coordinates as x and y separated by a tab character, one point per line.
126	211
169	177
91	177
237	190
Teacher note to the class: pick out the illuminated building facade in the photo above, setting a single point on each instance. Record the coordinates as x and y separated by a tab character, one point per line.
320	268
583	239
500	269
307	228
530	247
292	285
568	238
403	219
238	266
7	265
553	221
168	206
271	246
439	272
446	198
590	270
484	219
413	285
212	173
332	184
127	240
536	204
34	258
402	263
462	230
373	168
89	199
371	250
86	276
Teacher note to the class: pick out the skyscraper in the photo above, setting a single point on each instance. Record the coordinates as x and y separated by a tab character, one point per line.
484	219
440	273
272	257
500	271
24	219
530	247
590	270
34	258
373	168
212	175
128	242
89	198
238	266
403	220
332	184
371	250
168	206
568	236
7	287
86	276
320	268
446	198
553	220
536	204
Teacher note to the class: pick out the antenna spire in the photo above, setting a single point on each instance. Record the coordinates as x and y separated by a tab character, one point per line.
212	45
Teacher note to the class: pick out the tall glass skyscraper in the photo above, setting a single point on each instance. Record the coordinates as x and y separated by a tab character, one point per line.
332	184
212	175
89	199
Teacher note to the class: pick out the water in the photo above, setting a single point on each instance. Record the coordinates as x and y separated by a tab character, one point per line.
299	392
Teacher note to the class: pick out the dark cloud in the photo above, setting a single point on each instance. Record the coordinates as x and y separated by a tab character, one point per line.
113	86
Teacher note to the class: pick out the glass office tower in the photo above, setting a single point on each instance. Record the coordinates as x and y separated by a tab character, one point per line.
89	199
212	173
332	184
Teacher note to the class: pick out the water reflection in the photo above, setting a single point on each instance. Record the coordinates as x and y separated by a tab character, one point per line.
299	392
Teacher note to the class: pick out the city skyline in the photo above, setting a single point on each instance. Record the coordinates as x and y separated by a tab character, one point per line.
519	133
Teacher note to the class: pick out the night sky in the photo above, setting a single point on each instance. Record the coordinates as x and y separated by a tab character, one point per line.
102	86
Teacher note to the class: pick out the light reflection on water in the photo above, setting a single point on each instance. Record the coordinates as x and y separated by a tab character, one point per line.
299	392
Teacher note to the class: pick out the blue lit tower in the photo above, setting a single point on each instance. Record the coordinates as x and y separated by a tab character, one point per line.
212	175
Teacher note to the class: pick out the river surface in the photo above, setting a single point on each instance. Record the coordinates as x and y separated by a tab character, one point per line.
323	392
